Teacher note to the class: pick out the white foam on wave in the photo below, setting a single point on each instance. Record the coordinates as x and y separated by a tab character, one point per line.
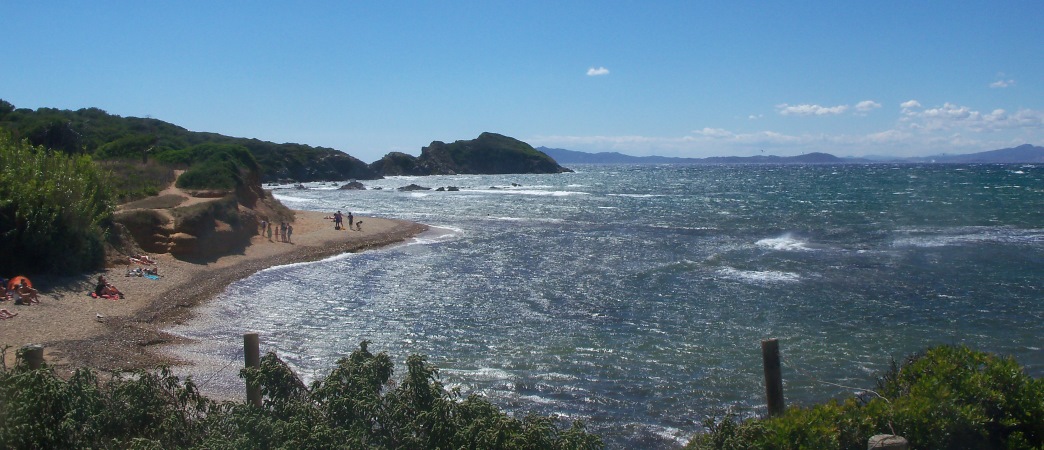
484	374
760	276
783	243
529	192
436	234
637	195
968	235
289	198
282	267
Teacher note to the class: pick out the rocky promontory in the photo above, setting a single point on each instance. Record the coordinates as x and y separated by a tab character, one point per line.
489	154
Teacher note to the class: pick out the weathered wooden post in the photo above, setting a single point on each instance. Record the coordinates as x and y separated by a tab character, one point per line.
773	376
33	355
252	355
887	442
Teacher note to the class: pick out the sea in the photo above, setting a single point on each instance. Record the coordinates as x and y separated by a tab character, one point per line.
635	298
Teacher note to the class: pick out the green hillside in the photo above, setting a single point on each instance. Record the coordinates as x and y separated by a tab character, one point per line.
107	137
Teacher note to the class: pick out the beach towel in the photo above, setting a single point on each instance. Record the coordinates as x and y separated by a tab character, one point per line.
151	276
110	297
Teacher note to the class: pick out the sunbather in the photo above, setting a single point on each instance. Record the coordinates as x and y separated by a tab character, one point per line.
5	314
28	294
142	259
103	288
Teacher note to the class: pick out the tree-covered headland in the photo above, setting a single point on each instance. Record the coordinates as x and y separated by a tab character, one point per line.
108	137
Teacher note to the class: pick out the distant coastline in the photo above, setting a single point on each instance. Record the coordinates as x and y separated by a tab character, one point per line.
1023	154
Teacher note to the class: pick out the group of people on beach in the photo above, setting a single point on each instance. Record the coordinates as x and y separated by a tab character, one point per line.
338	219
19	290
148	266
283	232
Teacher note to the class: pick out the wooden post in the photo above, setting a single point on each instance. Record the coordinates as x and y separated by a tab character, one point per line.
773	376
33	355
252	355
887	442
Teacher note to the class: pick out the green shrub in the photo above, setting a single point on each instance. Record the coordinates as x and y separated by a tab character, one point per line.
358	405
133	180
950	397
52	208
217	166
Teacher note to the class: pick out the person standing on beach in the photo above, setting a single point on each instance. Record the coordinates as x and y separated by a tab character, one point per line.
289	233
350	220
269	233
264	225
282	229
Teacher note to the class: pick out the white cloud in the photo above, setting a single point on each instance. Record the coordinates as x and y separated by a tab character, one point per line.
910	104
714	133
954	117
595	72
918	131
810	110
867	105
1002	83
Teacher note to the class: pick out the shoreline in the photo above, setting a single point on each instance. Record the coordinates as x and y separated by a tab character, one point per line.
78	331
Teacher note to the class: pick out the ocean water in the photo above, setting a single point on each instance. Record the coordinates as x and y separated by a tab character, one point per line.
635	298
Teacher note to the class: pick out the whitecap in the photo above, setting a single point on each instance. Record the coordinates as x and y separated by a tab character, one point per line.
536	399
783	243
967	235
760	276
485	373
528	192
637	195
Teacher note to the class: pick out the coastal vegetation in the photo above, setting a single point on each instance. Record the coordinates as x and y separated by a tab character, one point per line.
108	137
54	210
357	405
949	397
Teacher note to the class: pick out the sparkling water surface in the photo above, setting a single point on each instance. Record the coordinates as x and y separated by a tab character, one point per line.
635	297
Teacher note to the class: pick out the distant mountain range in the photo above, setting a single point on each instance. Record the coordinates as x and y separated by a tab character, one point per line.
1022	154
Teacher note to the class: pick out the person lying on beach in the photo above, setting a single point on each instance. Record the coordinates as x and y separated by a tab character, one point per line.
142	259
5	314
103	288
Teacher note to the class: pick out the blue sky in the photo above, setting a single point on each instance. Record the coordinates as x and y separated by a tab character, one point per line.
688	78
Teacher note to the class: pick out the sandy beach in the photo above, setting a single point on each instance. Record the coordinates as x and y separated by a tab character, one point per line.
79	331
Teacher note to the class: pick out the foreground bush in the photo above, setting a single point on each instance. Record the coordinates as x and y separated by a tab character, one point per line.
951	397
356	406
52	210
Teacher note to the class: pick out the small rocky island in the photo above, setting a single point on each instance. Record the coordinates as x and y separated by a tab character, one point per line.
489	154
